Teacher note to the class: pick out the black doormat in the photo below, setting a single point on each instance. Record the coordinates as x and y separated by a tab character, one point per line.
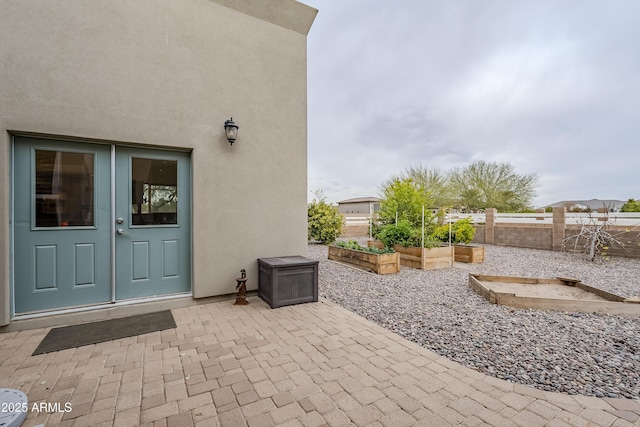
107	330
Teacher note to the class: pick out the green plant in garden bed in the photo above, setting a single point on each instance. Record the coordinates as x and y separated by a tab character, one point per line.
352	244
401	234
430	243
404	234
462	231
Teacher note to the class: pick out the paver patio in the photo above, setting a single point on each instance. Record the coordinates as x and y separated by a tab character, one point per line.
304	365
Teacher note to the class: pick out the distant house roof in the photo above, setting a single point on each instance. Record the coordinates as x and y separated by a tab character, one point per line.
592	204
361	200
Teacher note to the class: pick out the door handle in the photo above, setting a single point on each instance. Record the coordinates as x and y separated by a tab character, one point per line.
120	232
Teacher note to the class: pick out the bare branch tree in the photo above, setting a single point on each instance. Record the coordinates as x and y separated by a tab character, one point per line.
596	236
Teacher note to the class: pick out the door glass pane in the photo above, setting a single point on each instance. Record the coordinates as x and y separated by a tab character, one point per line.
154	191
64	189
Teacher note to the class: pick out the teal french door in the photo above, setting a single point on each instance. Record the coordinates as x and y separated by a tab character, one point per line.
96	224
61	224
152	238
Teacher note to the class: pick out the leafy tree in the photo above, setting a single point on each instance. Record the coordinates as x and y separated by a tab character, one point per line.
324	221
406	197
484	185
435	183
631	206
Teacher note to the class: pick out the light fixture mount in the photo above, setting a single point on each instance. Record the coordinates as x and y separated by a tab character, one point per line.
231	129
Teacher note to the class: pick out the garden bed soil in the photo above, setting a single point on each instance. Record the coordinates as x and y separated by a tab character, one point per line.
558	294
376	263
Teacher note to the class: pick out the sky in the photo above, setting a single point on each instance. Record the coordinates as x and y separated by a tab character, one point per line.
551	87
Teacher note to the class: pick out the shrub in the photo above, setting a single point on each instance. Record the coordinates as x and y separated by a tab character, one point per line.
631	205
405	235
324	222
462	231
400	234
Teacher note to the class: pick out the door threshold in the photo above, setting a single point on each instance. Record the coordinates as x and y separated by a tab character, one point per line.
100	306
93	313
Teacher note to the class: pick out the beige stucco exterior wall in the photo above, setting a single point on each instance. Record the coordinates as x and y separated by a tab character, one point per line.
168	73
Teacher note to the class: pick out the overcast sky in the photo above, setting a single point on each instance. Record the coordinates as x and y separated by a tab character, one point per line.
552	87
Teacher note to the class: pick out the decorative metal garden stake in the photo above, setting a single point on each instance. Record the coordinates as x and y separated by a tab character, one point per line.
241	298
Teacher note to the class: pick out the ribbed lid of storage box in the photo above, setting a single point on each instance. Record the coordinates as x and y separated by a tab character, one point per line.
287	261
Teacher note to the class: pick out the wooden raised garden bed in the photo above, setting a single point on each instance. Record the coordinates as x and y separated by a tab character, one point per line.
470	254
560	294
376	263
375	244
425	258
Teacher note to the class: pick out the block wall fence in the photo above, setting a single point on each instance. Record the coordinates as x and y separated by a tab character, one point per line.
354	231
548	237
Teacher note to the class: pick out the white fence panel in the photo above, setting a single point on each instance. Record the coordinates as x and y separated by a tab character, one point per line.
476	218
351	219
628	219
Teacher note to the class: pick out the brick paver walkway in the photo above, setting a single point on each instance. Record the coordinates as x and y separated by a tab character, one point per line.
305	365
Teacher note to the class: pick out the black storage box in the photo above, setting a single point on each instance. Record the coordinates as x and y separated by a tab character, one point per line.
287	280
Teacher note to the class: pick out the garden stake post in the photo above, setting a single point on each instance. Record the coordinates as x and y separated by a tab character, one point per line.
450	226
370	221
422	241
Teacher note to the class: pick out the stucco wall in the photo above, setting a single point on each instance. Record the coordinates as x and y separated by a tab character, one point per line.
168	73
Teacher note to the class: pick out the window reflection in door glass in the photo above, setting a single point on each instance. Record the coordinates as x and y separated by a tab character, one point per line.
64	189
154	191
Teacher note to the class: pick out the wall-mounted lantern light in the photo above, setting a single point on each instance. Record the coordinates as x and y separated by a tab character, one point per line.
231	129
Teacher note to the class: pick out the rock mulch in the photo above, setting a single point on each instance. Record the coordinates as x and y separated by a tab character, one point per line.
573	353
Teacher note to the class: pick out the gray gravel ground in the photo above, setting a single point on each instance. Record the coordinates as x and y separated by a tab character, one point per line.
574	353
